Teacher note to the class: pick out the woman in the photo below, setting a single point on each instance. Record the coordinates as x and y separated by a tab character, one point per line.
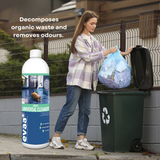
82	75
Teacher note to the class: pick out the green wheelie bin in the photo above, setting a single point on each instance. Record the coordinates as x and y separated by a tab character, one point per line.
121	112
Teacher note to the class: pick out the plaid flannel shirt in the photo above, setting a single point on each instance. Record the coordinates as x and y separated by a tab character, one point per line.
85	62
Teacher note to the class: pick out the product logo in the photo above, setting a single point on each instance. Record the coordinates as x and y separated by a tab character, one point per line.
46	84
24	129
105	116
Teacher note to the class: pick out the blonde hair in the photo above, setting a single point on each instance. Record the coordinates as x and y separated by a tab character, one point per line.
80	27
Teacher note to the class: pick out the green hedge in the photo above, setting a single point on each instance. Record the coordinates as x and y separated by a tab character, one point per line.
58	65
16	50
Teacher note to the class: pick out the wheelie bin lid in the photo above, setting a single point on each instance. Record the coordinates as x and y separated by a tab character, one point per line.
142	68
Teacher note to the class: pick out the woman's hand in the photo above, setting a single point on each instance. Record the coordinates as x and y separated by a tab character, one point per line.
127	52
108	51
113	50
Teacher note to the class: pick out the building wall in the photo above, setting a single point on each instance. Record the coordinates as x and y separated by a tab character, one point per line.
30	9
10	119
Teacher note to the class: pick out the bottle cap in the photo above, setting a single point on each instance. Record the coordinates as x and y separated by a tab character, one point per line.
35	53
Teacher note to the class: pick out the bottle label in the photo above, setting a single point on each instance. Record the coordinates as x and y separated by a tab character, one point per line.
35	108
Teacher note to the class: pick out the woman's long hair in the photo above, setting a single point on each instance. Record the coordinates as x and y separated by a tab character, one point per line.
80	27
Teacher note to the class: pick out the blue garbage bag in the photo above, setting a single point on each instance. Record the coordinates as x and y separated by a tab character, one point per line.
115	73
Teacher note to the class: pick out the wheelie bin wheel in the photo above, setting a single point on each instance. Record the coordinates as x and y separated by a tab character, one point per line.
136	146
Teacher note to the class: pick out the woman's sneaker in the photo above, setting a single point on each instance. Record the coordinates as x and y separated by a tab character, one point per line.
56	143
83	144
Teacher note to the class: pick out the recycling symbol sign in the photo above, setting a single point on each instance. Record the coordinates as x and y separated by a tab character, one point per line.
105	116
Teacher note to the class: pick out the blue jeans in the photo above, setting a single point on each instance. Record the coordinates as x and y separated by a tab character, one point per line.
82	97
